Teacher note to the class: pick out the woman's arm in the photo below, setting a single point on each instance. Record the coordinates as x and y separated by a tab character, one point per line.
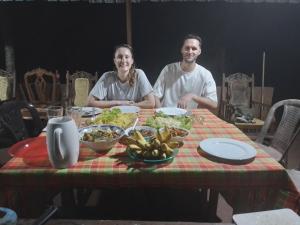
147	103
94	102
157	102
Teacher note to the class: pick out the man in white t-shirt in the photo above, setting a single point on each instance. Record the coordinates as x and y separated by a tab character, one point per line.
186	84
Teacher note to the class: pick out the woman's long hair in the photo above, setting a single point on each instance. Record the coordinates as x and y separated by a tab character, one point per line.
132	71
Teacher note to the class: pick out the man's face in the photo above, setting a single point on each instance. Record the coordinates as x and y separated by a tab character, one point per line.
190	50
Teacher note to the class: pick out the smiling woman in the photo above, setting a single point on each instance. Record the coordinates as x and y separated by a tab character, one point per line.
124	86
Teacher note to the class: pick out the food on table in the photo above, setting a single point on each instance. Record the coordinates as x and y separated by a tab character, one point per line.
160	120
146	131
114	117
175	132
159	147
100	135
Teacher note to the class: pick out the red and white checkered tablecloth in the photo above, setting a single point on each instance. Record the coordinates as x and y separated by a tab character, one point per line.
190	169
115	169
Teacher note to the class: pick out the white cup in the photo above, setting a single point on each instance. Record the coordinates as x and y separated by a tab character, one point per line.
62	142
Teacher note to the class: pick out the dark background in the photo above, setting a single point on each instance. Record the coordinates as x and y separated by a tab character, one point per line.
81	36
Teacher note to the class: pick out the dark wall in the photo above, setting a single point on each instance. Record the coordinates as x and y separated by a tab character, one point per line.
74	36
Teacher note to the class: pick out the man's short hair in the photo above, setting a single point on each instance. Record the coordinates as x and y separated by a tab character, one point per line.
193	36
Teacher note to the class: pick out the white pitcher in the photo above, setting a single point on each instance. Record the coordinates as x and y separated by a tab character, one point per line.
62	142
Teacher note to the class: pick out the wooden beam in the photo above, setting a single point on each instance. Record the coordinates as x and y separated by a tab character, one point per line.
128	22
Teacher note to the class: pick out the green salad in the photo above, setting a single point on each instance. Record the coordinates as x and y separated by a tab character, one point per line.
161	120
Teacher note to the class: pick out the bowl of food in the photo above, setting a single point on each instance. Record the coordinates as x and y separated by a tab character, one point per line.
101	137
177	134
146	131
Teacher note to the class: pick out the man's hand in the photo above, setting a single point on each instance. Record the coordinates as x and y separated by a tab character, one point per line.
184	100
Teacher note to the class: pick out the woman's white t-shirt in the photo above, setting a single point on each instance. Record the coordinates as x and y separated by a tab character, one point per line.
109	87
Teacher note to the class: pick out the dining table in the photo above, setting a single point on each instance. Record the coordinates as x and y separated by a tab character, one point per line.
261	183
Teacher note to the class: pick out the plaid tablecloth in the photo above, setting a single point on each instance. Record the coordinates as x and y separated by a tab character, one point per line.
189	169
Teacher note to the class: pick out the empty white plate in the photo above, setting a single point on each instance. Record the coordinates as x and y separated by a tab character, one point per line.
172	111
127	108
228	149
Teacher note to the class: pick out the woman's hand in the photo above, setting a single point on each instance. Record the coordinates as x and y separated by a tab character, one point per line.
126	102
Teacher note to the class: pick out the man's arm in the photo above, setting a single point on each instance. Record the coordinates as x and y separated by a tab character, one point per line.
203	102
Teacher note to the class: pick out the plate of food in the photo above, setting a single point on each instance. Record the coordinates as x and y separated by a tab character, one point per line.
157	149
151	159
101	137
160	120
171	111
114	117
146	131
177	134
90	111
127	108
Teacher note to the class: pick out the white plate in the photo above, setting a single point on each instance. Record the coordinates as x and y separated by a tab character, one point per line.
228	149
172	111
127	108
270	217
88	111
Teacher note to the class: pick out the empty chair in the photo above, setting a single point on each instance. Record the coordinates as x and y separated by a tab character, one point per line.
79	85
236	93
41	87
286	131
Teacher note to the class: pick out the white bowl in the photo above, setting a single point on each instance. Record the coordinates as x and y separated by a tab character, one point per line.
146	130
181	133
105	143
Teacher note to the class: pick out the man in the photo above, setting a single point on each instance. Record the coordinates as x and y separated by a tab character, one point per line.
186	84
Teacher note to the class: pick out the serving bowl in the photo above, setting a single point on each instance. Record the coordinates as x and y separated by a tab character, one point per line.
177	134
146	131
101	137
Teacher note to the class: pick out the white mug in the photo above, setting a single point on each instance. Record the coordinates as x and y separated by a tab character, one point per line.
62	142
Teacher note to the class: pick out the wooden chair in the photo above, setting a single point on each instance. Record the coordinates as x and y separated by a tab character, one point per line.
7	81
79	84
41	87
278	143
236	91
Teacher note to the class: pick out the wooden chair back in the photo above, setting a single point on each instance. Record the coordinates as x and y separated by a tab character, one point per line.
40	85
78	86
7	81
236	91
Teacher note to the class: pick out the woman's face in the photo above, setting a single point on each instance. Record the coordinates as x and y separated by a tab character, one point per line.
123	59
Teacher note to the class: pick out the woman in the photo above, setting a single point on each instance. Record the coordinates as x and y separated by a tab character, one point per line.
125	86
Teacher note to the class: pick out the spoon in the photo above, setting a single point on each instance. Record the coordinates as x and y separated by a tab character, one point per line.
135	123
133	127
